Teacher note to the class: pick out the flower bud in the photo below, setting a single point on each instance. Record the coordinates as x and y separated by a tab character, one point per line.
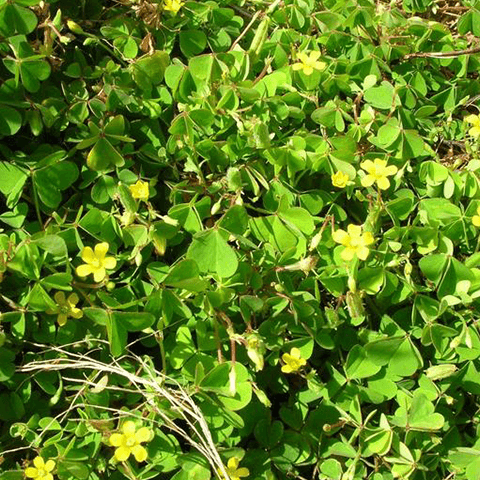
74	27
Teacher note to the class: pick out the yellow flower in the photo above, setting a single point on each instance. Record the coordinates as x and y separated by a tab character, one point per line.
233	471
476	218
65	307
41	470
173	5
355	242
139	191
475	121
309	63
96	262
377	171
293	361
339	179
129	441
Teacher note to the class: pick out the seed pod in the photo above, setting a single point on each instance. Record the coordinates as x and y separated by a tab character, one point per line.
126	198
259	38
355	307
437	372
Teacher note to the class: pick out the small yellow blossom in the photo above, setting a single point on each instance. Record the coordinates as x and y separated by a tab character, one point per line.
476	218
96	262
309	63
173	6
475	121
42	469
340	180
233	471
65	308
293	361
129	441
140	190
355	242
377	171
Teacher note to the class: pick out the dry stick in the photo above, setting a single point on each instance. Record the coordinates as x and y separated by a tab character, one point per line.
246	29
179	399
454	53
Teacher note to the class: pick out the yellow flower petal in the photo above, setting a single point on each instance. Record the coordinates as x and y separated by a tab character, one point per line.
87	255
341	236
347	254
128	428
391	170
62	319
110	262
84	270
242	472
472	119
139	453
367	181
307	69
101	250
99	274
48	476
368	166
39	462
31	472
60	298
383	183
303	57
233	463
122	453
314	55
295	353
76	313
286	368
49	465
73	299
368	238
143	434
297	66
362	253
476	220
354	230
115	439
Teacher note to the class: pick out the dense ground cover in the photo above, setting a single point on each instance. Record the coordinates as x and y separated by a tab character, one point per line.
239	239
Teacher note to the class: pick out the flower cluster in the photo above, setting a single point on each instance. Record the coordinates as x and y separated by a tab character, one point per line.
41	470
475	121
96	262
66	307
377	172
309	63
354	241
233	471
173	6
340	179
128	442
293	361
140	190
476	218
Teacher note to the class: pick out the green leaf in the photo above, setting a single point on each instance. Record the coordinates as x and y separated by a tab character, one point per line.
104	156
16	217
133	321
10	121
185	275
149	70
15	19
192	42
212	253
383	97
358	365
